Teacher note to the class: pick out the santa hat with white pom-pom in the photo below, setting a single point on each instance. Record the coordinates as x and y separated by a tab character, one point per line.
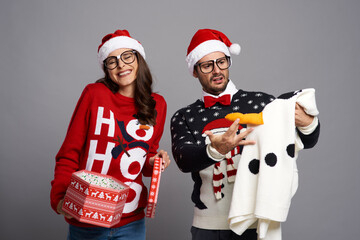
116	40
206	41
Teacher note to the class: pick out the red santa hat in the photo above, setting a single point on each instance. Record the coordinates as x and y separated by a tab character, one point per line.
206	41
221	123
116	40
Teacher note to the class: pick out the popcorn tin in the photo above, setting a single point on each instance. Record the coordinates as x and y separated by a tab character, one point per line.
154	188
95	198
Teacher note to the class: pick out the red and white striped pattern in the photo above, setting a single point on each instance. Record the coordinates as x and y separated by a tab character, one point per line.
219	176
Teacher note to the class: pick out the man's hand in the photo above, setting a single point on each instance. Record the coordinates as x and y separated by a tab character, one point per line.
226	142
301	118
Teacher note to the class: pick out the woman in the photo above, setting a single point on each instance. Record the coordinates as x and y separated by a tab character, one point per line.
115	130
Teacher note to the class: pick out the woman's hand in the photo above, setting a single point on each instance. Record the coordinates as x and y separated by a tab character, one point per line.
60	211
165	159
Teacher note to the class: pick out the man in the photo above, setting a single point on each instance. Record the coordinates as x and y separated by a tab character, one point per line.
208	145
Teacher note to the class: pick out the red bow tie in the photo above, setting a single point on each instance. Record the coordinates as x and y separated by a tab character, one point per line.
210	101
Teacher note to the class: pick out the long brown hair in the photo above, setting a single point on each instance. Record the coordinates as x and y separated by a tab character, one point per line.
144	102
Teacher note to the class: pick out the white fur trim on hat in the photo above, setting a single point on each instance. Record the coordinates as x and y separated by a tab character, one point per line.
116	43
203	49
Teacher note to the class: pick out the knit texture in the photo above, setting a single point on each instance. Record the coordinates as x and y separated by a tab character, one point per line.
267	173
104	136
190	152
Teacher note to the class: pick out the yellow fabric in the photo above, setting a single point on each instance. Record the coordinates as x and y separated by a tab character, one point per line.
248	118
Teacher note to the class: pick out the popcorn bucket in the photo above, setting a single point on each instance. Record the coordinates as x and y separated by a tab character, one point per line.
95	198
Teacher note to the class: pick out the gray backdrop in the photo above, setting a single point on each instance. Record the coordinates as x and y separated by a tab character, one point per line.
48	54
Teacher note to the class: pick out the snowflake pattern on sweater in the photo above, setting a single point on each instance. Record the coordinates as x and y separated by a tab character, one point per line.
190	153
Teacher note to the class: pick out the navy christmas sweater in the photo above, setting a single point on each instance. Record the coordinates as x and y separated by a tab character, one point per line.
189	148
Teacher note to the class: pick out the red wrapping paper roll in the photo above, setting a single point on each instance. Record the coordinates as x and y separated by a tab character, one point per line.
154	188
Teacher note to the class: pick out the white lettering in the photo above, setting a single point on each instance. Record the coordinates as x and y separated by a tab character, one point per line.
101	120
131	206
138	156
96	156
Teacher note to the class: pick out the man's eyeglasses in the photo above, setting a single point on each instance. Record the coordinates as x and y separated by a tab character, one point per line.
127	57
208	66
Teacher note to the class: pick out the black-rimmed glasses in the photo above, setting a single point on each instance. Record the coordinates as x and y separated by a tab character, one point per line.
208	66
127	57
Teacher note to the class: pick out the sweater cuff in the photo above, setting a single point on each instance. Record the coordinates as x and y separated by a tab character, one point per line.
147	168
310	128
214	154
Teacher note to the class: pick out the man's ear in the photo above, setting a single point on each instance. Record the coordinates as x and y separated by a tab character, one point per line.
195	74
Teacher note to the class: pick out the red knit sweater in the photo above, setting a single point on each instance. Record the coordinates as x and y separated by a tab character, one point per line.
102	128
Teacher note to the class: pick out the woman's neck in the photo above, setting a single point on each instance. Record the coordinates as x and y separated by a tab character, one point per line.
127	91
